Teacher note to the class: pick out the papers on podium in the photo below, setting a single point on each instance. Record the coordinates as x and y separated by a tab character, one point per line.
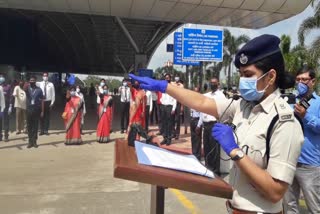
155	156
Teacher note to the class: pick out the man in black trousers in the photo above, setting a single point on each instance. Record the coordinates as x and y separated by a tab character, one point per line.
125	96
196	132
49	99
35	109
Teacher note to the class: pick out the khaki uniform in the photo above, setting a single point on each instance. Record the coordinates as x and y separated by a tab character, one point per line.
252	122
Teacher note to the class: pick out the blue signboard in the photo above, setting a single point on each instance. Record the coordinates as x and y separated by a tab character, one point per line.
177	53
143	72
202	45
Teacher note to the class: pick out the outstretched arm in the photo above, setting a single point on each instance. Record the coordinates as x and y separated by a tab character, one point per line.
193	100
184	96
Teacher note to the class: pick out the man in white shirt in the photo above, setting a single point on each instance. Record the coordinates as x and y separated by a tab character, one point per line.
125	96
210	145
169	106
20	103
149	105
49	99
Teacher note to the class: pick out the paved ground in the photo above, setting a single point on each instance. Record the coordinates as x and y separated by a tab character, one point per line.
55	178
59	179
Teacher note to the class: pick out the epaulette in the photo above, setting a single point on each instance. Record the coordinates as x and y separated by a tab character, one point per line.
284	110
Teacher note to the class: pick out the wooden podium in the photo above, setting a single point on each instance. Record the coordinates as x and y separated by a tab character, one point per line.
127	167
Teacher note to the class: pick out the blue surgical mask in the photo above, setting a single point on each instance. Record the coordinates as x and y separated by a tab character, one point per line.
2	79
102	84
302	89
248	88
105	91
124	84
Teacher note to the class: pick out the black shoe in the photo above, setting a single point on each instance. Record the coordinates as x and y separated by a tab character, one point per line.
41	133
29	146
6	140
122	132
168	143
164	141
177	137
35	145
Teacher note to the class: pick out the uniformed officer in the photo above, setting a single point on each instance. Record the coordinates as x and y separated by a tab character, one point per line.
259	180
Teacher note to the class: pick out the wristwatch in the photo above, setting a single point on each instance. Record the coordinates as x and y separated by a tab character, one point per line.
239	155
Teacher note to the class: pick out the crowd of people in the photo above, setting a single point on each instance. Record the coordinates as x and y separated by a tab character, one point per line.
275	146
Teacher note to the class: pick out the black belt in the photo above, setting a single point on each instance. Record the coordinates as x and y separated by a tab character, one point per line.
194	118
209	123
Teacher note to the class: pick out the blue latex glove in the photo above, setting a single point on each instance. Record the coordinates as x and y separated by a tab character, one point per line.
224	135
151	84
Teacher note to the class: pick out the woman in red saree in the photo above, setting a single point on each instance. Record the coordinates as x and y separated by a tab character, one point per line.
72	117
105	116
137	107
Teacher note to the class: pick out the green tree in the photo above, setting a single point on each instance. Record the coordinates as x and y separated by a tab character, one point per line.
231	45
113	83
92	79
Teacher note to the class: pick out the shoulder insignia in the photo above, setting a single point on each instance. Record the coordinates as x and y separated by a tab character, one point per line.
284	110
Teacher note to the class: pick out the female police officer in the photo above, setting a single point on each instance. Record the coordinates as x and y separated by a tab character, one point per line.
259	182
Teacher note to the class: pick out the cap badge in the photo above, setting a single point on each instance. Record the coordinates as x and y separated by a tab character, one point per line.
243	59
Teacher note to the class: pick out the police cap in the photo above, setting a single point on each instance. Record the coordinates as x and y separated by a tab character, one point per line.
257	49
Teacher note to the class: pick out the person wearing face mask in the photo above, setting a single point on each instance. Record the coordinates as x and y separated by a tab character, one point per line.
105	116
307	175
169	105
4	120
84	111
20	103
137	107
49	99
72	117
35	110
125	96
211	147
259	178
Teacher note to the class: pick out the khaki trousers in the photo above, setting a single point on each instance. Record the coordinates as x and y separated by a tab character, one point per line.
21	120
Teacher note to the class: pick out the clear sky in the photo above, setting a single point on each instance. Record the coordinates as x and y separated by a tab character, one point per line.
289	26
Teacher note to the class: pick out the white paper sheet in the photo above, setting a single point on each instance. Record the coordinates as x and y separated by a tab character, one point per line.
155	156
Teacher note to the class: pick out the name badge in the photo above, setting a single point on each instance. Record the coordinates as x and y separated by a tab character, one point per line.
32	102
72	110
104	110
